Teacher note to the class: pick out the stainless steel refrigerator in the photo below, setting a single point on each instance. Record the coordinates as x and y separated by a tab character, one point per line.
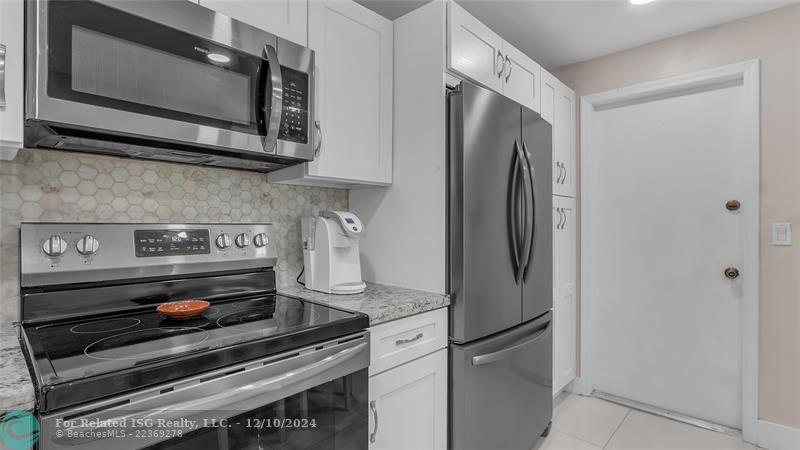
500	271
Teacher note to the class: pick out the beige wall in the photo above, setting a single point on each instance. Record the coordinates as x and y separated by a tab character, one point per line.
773	38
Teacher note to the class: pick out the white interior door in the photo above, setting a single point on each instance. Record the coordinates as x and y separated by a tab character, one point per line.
665	320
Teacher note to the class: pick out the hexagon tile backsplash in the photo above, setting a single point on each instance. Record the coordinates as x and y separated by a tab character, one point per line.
55	186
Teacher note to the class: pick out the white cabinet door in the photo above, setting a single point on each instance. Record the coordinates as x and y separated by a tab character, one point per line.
408	405
548	94
564	130
285	18
473	49
11	37
521	78
354	66
564	302
559	108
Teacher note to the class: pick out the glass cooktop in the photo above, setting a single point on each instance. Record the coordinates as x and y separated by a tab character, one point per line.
79	349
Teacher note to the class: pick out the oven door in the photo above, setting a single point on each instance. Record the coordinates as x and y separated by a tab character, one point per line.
314	397
172	71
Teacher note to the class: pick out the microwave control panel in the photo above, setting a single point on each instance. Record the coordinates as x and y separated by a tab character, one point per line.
294	118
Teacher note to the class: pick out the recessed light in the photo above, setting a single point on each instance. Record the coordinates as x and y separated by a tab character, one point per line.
640	2
222	58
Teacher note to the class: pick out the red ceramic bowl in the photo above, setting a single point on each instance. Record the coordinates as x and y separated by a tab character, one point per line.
183	309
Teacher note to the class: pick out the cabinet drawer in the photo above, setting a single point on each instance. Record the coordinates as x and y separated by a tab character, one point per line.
402	340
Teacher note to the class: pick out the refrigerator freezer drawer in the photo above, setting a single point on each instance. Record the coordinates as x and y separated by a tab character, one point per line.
501	391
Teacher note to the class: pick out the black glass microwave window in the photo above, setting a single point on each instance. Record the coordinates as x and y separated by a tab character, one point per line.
105	57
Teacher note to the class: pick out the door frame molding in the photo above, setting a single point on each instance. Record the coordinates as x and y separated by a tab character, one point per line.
747	73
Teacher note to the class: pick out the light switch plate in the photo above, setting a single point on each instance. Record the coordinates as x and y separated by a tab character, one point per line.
781	234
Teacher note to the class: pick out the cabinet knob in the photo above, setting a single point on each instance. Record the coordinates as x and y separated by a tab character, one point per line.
731	273
733	205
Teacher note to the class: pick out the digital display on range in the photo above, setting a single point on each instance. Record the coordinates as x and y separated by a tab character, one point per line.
171	242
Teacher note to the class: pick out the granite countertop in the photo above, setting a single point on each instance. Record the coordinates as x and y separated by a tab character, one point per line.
16	387
381	303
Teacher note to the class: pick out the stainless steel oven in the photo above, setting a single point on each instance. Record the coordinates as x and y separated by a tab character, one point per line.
167	80
313	397
254	369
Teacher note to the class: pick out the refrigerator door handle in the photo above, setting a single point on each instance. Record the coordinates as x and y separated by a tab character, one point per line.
488	358
513	212
527	223
530	230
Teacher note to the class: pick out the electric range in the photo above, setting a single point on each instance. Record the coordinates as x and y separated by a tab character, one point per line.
100	351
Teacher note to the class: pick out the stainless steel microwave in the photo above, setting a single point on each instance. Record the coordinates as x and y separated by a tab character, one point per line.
168	80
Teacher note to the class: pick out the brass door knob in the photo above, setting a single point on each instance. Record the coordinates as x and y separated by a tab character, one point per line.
731	272
733	205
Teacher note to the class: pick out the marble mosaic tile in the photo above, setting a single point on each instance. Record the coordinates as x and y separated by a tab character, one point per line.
54	186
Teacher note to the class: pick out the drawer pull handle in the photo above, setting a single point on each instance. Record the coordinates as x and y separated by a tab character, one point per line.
374	414
409	340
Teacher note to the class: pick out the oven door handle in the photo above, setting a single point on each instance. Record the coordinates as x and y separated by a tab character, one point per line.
215	396
270	140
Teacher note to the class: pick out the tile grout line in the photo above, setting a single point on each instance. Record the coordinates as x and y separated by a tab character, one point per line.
617	428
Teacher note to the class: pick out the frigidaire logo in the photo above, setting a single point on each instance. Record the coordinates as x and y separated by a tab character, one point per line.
20	430
202	50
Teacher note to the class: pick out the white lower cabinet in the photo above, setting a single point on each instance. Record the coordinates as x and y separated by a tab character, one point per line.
408	405
408	383
564	287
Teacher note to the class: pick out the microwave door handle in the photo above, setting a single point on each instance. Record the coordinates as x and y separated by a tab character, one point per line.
270	140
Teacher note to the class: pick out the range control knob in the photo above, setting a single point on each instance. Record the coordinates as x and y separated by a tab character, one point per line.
261	239
242	240
55	245
224	241
87	245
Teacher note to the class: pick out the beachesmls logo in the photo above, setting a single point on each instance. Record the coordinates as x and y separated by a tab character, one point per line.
20	430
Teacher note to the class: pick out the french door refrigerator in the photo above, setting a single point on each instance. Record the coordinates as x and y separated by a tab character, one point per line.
500	271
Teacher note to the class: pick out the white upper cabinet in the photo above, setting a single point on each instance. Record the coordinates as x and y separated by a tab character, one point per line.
474	50
521	77
564	147
548	86
559	108
353	107
478	53
285	18
12	48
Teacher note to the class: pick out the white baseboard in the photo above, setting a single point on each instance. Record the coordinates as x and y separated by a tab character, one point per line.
580	386
773	436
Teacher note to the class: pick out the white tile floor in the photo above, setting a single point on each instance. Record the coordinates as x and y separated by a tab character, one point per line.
587	423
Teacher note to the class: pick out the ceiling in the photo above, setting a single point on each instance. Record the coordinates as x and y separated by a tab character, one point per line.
561	32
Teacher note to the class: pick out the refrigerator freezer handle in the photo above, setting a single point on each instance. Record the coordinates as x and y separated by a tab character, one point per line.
488	358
